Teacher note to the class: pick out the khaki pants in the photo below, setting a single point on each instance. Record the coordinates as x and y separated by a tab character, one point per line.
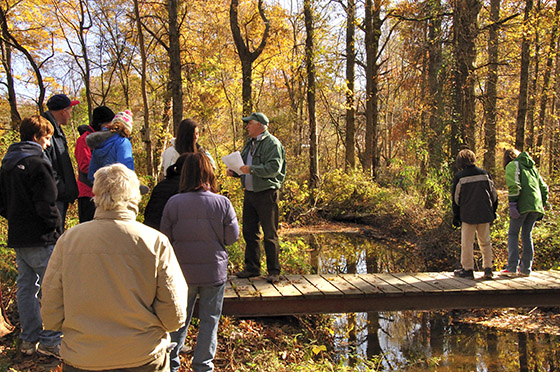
482	231
161	364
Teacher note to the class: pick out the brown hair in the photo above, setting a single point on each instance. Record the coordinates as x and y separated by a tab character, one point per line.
509	155
35	127
465	158
185	141
118	127
197	173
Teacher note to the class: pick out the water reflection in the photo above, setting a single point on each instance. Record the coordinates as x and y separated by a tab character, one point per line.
413	340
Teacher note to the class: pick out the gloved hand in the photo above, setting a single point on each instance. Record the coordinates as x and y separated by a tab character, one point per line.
513	211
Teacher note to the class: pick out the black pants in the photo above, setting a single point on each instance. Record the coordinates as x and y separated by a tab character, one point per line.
260	209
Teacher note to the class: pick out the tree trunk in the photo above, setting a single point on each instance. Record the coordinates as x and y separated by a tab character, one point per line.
523	85
435	140
175	79
245	55
310	66
491	89
554	154
552	50
465	30
146	129
15	118
350	162
531	99
373	31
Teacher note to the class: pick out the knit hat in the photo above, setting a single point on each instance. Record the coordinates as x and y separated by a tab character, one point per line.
60	102
257	116
124	117
101	115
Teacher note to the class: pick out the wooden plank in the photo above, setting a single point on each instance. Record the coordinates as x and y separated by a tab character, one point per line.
442	282
515	283
303	286
286	286
416	282
395	281
552	273
244	288
323	285
380	284
362	285
468	285
540	281
265	289
342	285
229	292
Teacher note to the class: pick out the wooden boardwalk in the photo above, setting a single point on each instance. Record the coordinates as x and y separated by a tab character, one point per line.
346	293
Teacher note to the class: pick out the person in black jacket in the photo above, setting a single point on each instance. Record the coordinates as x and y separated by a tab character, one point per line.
164	190
60	110
474	207
28	196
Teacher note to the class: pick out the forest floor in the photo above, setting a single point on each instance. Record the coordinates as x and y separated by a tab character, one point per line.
239	338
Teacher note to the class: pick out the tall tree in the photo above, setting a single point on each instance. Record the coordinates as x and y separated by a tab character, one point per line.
247	56
310	67
491	89
465	31
76	17
350	83
174	51
435	102
373	24
523	84
551	53
143	76
6	50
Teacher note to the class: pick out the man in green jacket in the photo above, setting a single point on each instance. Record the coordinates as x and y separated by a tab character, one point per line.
262	176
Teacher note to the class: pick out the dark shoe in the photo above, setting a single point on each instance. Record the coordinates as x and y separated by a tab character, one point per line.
273	278
246	274
27	348
521	273
488	273
53	351
462	273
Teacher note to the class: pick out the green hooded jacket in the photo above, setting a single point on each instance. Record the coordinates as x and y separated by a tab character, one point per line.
525	185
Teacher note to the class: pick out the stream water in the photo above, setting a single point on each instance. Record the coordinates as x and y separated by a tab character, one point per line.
417	340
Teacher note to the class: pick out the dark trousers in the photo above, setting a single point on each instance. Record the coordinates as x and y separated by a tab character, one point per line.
260	209
86	209
161	364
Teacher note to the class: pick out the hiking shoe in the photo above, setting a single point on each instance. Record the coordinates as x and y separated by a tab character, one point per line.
53	351
246	274
462	273
27	348
488	273
507	273
273	278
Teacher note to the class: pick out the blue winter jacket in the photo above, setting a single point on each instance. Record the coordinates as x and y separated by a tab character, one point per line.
200	224
108	148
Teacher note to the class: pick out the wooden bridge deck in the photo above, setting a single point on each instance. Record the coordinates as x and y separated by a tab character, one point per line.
345	293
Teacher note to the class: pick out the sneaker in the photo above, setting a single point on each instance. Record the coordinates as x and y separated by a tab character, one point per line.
53	351
246	274
27	348
507	273
462	273
273	278
520	273
488	273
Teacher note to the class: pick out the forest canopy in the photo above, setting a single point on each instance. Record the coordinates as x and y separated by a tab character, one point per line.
391	88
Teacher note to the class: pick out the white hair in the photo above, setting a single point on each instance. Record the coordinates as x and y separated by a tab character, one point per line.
116	186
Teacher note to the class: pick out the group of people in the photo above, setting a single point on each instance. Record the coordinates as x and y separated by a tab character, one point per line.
123	293
475	202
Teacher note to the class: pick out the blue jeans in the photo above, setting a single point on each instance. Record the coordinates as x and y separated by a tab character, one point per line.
209	311
32	263
524	223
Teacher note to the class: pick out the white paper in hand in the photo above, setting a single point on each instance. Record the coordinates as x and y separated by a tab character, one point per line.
234	162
